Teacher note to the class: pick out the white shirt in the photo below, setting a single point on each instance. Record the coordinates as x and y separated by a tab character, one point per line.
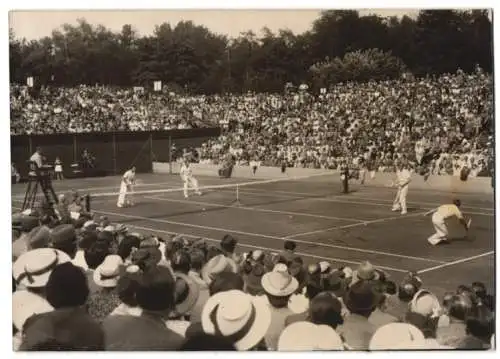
186	171
129	177
37	158
403	176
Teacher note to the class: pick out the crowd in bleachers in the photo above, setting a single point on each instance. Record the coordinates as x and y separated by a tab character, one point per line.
445	121
83	283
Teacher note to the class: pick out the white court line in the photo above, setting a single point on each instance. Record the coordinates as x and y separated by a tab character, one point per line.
225	230
256	209
334	200
458	261
380	220
340	260
354	194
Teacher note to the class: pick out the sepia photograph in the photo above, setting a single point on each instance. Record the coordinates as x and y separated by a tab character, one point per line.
289	180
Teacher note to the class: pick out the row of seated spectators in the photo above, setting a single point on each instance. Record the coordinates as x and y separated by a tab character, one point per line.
449	114
83	283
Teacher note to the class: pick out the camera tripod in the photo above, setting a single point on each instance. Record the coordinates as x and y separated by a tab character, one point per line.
39	178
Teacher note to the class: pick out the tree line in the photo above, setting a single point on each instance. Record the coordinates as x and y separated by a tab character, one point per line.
340	46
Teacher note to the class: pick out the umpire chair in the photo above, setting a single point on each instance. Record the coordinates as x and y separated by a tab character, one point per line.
39	178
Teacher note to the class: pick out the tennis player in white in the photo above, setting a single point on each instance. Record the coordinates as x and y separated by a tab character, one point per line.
187	178
403	179
442	213
127	189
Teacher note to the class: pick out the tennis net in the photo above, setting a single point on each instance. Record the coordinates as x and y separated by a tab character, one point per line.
257	192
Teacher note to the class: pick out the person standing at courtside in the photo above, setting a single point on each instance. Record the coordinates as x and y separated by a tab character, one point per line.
403	179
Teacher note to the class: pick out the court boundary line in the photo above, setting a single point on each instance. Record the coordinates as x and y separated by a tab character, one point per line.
319	244
334	200
379	220
272	250
255	209
328	197
458	261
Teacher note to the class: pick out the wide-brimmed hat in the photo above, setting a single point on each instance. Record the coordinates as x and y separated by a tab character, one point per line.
38	237
187	293
306	336
237	316
107	274
63	235
216	265
391	336
425	303
32	269
279	282
362	296
25	304
365	271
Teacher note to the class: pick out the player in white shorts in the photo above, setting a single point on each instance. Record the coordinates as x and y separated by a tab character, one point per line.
127	189
188	179
403	179
440	215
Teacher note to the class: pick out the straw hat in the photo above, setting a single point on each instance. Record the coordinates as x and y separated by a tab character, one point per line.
279	282
216	265
425	303
393	335
107	274
26	304
32	269
306	336
237	316
187	293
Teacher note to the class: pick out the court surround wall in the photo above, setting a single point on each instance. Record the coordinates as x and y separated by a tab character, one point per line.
115	152
480	185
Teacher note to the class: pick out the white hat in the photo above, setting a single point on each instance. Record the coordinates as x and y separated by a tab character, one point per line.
393	335
422	344
279	282
237	316
107	273
26	304
216	265
32	269
306	336
425	303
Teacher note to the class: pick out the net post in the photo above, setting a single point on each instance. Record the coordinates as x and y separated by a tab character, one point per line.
151	153
170	154
114	153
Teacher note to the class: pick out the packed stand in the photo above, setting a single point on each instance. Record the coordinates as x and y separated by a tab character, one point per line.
86	109
83	283
446	120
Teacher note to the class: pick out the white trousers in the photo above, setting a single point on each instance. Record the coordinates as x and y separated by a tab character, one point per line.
400	200
441	230
125	197
192	183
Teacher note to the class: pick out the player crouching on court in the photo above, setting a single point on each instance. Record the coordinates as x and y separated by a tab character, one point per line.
440	215
187	178
127	189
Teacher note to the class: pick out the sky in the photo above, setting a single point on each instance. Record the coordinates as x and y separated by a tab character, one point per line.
37	24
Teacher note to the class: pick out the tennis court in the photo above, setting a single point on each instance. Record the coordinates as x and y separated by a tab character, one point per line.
326	224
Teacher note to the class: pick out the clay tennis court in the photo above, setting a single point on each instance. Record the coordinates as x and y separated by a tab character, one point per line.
326	224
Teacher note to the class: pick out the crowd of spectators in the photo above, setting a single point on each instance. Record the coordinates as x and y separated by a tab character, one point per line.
446	120
83	283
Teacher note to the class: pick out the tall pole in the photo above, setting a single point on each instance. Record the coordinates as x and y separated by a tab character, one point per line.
114	154
170	154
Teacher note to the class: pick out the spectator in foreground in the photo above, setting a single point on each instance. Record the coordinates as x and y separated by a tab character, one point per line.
155	296
69	324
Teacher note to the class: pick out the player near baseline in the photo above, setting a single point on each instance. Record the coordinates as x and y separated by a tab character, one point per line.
187	177
403	179
439	215
126	189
